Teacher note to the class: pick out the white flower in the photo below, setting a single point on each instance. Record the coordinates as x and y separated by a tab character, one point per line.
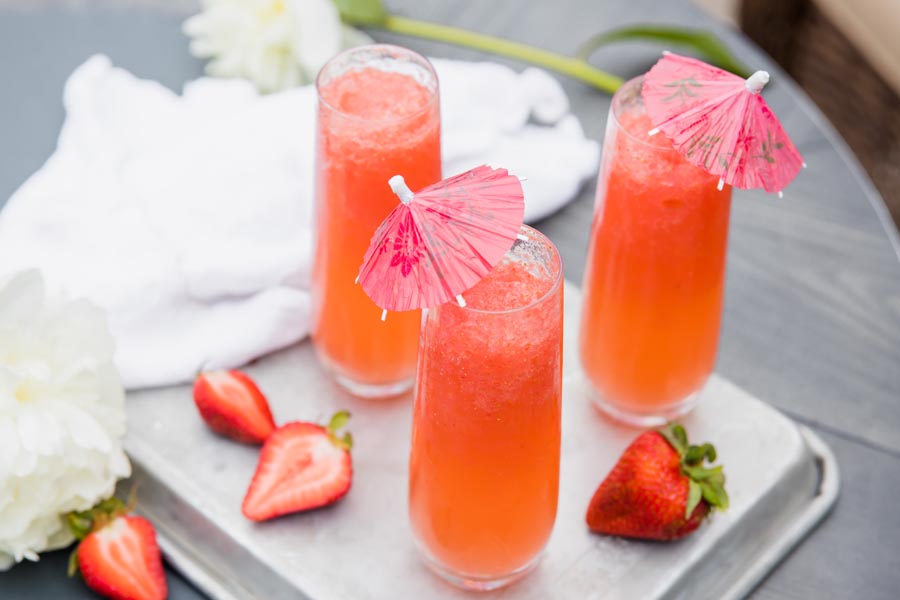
62	416
276	44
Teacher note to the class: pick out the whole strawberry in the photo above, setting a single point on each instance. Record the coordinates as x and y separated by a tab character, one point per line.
118	555
659	488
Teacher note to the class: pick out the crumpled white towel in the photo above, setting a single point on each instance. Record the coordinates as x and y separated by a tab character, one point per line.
188	218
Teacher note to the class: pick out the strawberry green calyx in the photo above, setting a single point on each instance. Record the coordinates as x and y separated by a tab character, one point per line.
83	523
705	483
338	421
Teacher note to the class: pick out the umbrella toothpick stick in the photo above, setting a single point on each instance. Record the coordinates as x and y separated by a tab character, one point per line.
756	82
398	185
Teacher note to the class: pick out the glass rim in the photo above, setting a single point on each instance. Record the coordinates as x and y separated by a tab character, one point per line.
422	60
613	110
557	282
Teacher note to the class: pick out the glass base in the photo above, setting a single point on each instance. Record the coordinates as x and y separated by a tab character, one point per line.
479	583
370	390
365	390
644	420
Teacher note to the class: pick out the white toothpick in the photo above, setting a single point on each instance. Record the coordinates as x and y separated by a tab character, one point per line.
757	81
653	131
398	185
460	300
721	184
522	237
355	281
383	314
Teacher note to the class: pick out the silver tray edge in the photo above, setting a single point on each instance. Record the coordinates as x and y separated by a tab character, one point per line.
805	522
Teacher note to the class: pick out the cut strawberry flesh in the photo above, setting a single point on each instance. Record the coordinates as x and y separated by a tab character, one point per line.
122	560
232	405
300	468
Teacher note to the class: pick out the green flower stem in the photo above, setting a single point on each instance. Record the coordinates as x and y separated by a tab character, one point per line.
573	67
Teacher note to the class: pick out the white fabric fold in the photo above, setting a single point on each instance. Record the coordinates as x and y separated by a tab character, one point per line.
188	217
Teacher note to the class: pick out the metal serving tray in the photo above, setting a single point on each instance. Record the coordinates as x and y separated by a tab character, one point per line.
782	480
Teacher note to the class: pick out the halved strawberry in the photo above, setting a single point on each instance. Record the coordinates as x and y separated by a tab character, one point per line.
301	466
232	405
118	555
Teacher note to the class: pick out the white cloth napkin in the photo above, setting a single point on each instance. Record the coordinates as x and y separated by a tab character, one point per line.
188	218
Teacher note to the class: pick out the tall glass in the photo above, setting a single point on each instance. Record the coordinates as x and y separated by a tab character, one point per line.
378	116
484	466
655	270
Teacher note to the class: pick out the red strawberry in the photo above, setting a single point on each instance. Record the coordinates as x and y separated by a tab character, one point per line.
118	555
659	489
301	466
233	406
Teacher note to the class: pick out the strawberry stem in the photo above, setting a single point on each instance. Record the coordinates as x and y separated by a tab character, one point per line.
705	483
337	422
576	68
81	523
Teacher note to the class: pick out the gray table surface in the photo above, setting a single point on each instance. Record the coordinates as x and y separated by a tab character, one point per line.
812	312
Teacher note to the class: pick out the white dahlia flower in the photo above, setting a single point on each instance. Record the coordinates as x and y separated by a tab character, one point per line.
62	416
276	44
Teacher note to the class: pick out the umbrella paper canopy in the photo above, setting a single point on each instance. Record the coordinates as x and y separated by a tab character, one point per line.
442	240
720	122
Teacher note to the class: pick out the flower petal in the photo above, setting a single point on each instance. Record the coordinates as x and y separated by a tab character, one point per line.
62	416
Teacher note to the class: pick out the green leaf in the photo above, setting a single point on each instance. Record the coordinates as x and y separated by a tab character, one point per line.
109	506
714	494
694	496
676	436
370	13
701	474
80	523
705	44
73	562
717	475
694	455
680	434
722	494
347	441
338	421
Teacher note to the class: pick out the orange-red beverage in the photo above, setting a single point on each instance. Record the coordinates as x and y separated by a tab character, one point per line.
484	467
378	116
655	271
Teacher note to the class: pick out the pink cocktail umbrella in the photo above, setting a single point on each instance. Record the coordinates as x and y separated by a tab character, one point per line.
720	122
440	241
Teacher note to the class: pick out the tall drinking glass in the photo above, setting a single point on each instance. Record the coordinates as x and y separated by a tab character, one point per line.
378	116
484	466
655	270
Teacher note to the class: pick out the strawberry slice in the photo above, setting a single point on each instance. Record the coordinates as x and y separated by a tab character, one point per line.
232	405
301	466
118	555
